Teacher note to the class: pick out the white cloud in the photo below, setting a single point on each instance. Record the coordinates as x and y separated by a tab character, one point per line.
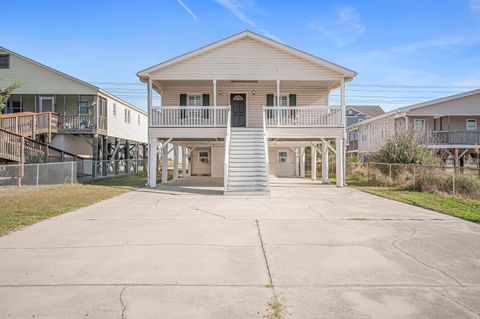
344	29
444	42
236	8
190	12
474	6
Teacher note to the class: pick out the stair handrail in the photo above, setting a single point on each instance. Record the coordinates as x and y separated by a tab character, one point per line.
43	144
265	146
227	149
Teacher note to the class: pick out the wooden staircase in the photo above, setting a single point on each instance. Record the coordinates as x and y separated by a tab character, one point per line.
24	150
30	124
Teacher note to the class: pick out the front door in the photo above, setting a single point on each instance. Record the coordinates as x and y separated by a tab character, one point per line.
238	101
47	104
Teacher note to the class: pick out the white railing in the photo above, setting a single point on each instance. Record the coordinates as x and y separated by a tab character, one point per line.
303	116
227	150
189	116
265	146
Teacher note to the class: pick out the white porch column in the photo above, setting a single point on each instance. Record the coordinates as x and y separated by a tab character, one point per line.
340	162
343	150
149	101
278	102
184	161
297	161
314	163
325	163
152	162
164	163
214	102
175	162
302	162
189	165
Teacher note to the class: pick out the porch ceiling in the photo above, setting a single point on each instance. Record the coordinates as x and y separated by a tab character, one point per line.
286	84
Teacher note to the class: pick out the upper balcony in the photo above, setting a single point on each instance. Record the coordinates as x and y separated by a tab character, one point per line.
437	139
81	124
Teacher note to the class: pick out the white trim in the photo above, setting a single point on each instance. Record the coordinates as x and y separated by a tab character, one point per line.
246	103
278	156
47	97
466	125
208	156
415	125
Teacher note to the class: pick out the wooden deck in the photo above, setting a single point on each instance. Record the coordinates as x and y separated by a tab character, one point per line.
30	124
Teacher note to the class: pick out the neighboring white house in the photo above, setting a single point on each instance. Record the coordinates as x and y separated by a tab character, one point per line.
246	107
88	121
449	125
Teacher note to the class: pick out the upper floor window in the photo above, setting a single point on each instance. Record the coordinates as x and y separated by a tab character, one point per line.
282	156
194	100
138	119
83	108
384	129
471	125
114	109
419	125
374	128
203	156
4	61
283	100
127	116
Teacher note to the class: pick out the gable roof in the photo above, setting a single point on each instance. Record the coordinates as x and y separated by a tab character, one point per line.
96	88
405	109
368	110
347	73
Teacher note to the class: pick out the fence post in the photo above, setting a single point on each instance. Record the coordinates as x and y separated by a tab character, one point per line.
454	174
72	172
414	176
38	175
390	171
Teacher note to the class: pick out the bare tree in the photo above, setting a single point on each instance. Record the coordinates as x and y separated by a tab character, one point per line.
7	92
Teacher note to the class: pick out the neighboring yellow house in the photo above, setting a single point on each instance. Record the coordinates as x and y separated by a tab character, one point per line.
246	107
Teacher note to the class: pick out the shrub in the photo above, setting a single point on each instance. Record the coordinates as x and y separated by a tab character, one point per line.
404	149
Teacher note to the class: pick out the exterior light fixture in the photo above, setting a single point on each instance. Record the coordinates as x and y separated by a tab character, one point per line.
219	92
254	92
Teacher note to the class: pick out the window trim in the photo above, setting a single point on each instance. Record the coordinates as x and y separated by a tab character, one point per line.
8	61
282	95
194	94
474	121
278	156
415	125
80	107
208	156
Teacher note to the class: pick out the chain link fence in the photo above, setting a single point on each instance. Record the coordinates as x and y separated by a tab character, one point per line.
66	172
459	181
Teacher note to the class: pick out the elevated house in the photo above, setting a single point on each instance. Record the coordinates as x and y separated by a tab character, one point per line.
359	113
66	114
244	108
448	125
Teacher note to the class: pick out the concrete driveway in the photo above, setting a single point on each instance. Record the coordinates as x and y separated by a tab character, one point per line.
188	252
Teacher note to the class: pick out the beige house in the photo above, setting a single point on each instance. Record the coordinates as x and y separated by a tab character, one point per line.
449	125
243	108
69	114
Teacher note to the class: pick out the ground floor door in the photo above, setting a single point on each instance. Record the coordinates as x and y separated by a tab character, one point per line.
238	101
46	104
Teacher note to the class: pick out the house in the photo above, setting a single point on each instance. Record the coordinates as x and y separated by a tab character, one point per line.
69	114
448	125
359	113
243	108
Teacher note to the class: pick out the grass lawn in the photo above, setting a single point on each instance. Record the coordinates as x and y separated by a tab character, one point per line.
20	208
446	204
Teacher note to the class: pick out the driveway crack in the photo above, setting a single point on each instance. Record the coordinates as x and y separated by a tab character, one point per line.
409	236
270	280
456	301
196	208
122	303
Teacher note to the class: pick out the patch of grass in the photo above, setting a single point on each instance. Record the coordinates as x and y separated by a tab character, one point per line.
445	204
20	209
276	309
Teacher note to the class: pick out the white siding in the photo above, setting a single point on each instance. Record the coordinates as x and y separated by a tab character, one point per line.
39	80
375	141
217	161
469	105
281	169
117	127
201	168
246	59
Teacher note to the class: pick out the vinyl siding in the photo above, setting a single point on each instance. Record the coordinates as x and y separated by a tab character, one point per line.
117	127
217	161
201	168
281	169
375	142
246	59
465	106
39	80
255	103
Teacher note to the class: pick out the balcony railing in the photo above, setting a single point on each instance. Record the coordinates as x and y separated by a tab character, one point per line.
303	116
189	116
76	122
450	137
30	124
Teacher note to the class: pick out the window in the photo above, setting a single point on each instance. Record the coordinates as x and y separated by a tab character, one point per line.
194	100
283	100
374	128
115	109
384	129
419	125
282	156
127	116
471	125
364	134
83	108
203	156
4	61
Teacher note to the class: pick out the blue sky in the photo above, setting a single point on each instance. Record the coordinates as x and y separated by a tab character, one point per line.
391	44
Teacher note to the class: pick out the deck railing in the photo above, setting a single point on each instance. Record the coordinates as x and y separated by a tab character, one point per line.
76	122
303	116
30	124
189	116
450	137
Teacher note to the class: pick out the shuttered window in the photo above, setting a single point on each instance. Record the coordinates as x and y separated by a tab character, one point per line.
4	61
